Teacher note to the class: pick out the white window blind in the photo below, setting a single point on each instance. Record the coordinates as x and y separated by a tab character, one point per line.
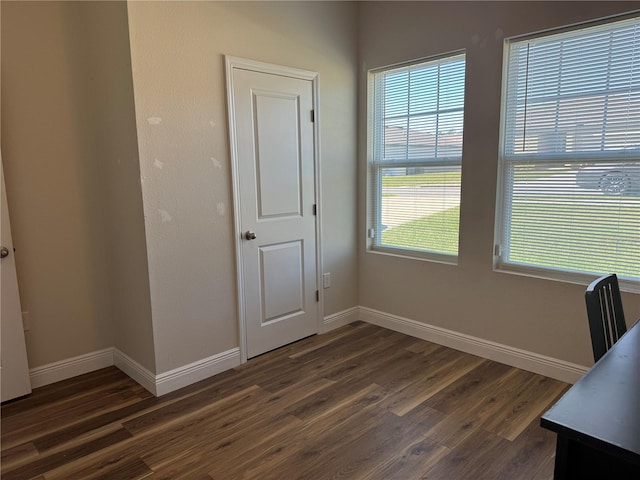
418	113
571	152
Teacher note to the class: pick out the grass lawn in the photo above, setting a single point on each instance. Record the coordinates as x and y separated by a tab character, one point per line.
570	223
568	220
435	178
434	233
452	178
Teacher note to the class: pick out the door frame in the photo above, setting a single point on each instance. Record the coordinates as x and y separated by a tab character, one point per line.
232	63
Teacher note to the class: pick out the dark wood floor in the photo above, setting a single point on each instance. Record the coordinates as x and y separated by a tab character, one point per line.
360	402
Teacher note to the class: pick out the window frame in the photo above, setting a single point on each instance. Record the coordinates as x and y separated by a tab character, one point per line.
504	190
374	179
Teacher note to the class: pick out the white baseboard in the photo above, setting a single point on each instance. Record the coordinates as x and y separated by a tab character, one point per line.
340	319
71	367
156	384
186	375
179	377
194	372
135	371
515	357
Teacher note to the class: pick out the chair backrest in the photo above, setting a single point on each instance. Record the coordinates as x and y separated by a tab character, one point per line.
606	318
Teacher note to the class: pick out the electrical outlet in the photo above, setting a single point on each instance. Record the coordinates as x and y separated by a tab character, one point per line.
26	321
326	280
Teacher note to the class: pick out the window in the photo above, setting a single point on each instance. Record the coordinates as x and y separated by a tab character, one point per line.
415	166
570	154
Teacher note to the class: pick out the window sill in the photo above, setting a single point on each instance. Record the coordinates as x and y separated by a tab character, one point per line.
415	255
575	278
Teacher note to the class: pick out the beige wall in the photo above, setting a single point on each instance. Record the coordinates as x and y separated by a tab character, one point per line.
53	181
74	177
116	151
542	316
98	254
179	83
69	144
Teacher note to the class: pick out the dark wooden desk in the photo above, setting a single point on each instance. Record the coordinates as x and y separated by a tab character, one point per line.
598	419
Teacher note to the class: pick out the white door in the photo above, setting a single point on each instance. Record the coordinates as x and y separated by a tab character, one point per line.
14	369
273	142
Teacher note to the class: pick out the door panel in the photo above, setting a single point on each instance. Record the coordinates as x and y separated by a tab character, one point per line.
282	273
14	368
277	163
274	148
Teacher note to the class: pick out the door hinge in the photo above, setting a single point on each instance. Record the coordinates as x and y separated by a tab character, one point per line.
313	115
315	209
317	295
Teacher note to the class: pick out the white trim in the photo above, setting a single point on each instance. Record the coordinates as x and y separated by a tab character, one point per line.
194	372
207	367
256	66
504	190
315	86
135	371
177	378
515	357
232	63
564	276
71	367
235	179
375	134
157	384
340	319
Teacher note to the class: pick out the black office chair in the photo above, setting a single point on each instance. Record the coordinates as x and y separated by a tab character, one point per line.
604	309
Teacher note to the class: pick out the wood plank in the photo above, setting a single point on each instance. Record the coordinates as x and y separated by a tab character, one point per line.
75	387
17	454
187	406
476	384
319	450
224	451
259	424
128	469
440	374
530	457
359	402
522	404
424	347
450	431
338	336
45	431
83	404
327	399
50	462
168	434
411	462
68	433
379	354
331	425
367	450
473	458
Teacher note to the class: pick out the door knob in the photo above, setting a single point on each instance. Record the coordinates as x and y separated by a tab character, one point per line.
249	235
4	252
